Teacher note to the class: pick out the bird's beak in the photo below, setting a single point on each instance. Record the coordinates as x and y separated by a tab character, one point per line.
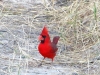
40	38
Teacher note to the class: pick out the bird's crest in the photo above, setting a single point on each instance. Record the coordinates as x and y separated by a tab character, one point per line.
44	31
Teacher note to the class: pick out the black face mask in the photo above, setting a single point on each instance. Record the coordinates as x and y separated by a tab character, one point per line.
43	36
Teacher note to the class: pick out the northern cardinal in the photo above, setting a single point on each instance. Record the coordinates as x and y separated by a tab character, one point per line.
47	48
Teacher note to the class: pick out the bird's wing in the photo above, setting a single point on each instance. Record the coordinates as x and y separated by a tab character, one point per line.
53	47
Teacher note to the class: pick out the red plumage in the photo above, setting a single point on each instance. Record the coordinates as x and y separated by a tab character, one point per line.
47	48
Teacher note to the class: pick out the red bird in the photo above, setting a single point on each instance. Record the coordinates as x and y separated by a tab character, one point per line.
47	48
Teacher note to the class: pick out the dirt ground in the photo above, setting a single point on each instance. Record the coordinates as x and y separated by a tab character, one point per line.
20	26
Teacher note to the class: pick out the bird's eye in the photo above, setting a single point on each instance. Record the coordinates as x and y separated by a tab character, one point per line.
43	36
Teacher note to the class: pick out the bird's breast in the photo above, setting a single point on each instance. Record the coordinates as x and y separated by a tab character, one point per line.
43	48
46	50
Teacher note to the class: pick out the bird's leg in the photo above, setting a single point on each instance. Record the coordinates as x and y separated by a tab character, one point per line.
52	61
41	62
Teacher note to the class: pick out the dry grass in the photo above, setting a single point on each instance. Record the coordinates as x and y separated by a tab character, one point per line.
77	24
79	29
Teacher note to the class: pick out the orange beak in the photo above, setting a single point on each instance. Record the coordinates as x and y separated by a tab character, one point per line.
40	38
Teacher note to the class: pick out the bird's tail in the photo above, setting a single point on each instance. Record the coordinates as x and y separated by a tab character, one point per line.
55	39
